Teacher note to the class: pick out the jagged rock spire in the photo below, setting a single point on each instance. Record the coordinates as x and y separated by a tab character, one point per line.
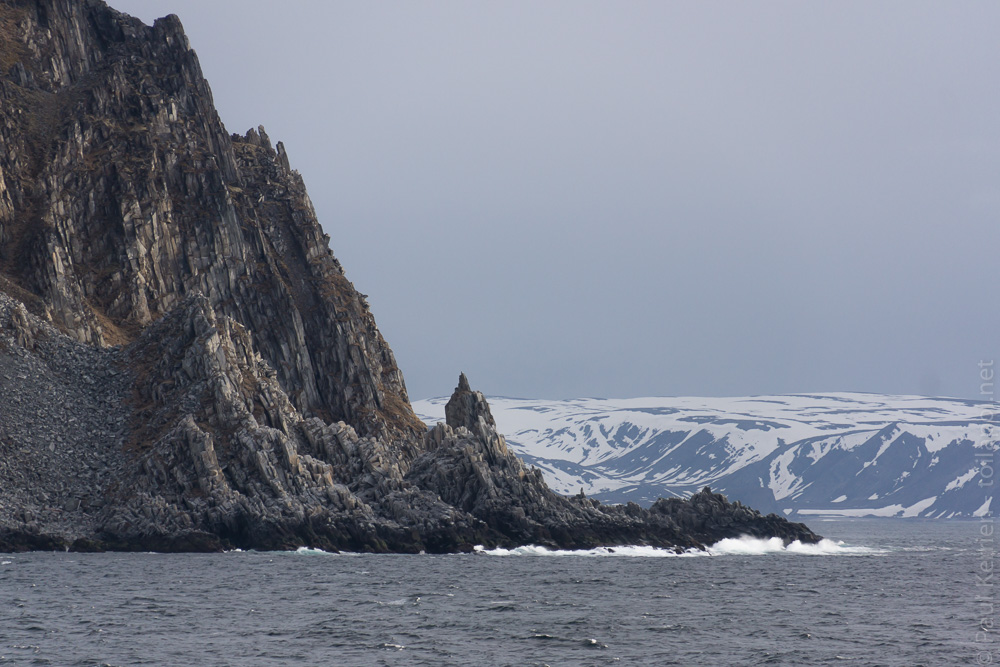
466	407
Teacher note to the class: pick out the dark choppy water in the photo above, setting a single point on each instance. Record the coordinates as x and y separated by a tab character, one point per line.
906	595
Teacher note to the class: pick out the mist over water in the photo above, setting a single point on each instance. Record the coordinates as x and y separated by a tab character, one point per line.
894	593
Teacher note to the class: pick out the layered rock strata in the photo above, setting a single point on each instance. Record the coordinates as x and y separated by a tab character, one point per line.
184	365
185	440
121	193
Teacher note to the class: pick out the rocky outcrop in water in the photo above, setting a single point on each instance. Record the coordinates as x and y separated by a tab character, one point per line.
184	365
468	465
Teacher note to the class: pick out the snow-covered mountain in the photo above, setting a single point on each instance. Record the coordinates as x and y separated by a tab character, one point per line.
845	454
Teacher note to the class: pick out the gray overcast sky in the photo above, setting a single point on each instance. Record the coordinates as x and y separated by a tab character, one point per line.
572	198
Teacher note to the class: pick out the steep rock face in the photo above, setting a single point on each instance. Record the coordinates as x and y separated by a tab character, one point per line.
121	193
184	440
184	365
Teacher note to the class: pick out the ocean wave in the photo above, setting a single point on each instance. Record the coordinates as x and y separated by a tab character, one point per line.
625	551
739	546
312	551
753	546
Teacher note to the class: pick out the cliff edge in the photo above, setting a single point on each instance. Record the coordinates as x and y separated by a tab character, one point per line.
183	363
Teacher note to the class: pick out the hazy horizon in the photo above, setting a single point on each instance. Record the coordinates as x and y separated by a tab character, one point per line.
641	199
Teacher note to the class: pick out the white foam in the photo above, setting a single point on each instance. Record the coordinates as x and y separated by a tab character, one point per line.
394	603
310	550
627	552
755	546
740	546
746	546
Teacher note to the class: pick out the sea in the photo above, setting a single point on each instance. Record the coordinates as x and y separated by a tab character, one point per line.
875	592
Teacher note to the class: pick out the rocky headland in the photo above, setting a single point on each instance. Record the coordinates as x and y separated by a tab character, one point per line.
183	363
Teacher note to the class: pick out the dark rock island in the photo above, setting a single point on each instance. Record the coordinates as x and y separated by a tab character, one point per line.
184	365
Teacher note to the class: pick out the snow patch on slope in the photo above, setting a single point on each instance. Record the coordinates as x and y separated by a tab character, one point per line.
847	454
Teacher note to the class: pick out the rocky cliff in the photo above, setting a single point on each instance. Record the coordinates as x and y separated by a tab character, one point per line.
184	365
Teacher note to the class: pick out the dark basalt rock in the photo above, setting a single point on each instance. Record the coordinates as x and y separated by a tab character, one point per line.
467	407
184	365
472	469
